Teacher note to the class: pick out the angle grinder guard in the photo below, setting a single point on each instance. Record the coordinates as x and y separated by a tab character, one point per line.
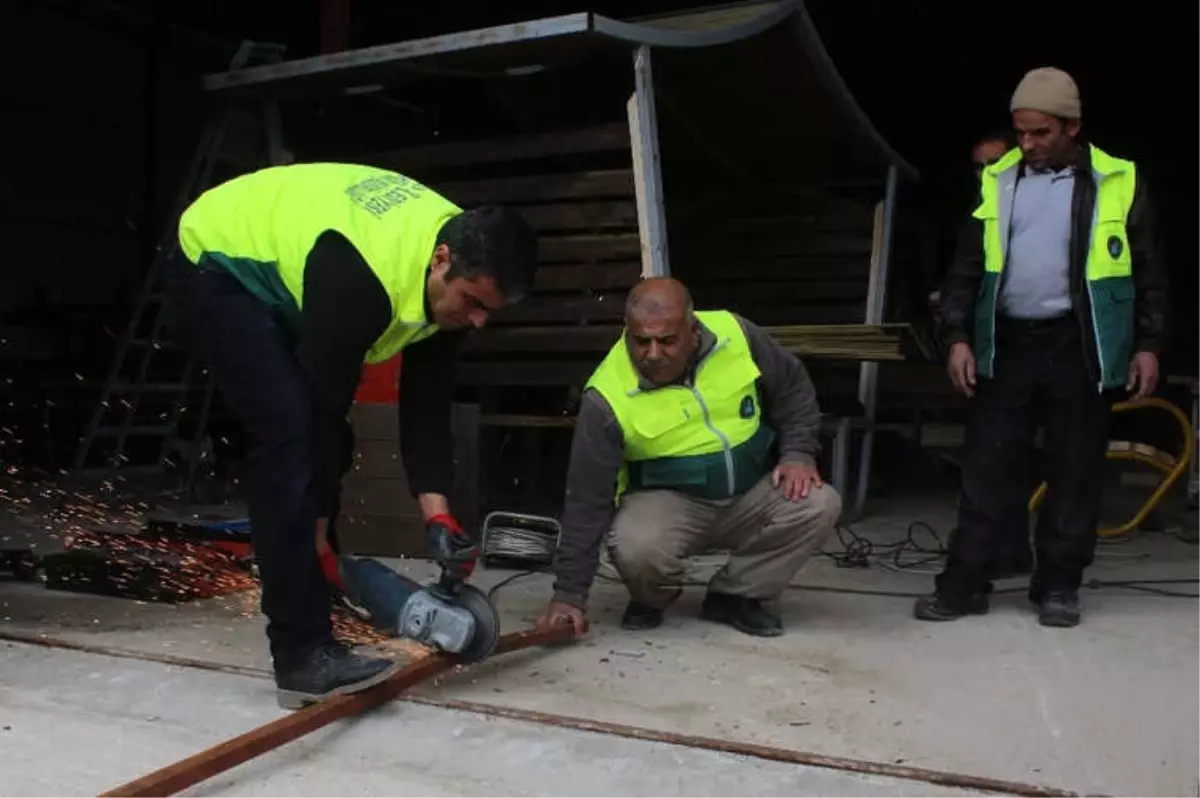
462	622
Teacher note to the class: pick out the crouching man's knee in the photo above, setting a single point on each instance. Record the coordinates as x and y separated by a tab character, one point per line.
816	514
645	560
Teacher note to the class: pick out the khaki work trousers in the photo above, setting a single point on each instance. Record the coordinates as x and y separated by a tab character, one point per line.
770	539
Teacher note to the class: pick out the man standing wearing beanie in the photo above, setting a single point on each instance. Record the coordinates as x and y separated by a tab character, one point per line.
1056	301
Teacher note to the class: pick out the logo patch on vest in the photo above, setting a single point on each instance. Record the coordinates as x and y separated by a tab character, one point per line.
1115	246
746	410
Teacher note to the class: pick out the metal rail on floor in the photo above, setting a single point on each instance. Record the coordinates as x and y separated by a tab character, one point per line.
772	753
231	753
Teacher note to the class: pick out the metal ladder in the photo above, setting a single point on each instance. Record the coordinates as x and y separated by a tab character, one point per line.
239	136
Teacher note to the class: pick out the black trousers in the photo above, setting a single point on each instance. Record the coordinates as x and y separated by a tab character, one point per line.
251	356
1040	379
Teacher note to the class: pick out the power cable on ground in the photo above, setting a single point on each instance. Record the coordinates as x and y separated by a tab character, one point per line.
908	554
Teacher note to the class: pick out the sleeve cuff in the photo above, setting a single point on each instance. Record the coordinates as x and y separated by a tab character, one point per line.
1151	345
801	458
957	337
573	599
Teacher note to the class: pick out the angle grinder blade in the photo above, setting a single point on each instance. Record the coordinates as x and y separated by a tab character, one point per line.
487	623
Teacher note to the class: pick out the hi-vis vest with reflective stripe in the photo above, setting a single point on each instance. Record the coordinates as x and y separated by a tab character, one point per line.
706	439
262	226
1109	267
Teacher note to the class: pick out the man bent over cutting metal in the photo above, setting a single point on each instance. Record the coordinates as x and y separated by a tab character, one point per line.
287	280
698	431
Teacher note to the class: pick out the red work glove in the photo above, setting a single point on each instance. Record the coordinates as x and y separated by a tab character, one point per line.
452	548
328	558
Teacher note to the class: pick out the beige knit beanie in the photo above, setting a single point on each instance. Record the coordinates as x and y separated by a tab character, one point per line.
1050	91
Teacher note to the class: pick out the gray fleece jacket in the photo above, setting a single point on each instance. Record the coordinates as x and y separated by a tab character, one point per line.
789	404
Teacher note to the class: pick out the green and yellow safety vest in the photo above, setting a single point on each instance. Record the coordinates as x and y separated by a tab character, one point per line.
1109	272
262	226
706	439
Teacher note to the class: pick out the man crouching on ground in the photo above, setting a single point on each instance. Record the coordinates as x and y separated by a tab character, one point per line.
697	431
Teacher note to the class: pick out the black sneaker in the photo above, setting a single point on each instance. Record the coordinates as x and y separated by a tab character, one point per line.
938	608
744	614
639	616
331	669
1059	608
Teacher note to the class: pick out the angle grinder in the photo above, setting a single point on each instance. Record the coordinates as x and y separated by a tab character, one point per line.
448	615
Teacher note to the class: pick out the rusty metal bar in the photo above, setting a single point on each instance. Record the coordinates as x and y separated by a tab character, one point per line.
231	753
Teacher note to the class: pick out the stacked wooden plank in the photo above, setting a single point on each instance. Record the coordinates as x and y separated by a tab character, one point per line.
876	342
575	188
378	512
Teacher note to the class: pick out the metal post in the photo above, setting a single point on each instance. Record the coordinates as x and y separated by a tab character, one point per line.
868	380
643	122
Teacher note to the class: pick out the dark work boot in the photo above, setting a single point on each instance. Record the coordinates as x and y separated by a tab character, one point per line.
936	607
1059	608
744	614
331	669
639	616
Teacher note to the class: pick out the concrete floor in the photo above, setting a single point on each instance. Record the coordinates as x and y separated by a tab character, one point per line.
1109	707
132	717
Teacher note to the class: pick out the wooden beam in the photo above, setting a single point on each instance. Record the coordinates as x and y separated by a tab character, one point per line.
558	338
825	313
588	247
709	293
563	310
516	420
587	276
527	373
616	183
702	267
780	243
580	216
815	221
231	753
603	138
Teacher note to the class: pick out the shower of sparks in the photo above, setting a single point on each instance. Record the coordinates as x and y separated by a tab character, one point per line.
173	568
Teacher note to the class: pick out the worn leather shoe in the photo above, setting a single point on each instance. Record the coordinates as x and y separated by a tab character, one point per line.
1059	609
639	616
744	614
939	608
329	670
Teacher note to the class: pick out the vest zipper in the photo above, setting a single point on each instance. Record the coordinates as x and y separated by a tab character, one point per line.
728	452
1095	333
726	449
1088	284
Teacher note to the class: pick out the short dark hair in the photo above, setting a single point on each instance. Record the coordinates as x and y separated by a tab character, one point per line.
492	241
1004	135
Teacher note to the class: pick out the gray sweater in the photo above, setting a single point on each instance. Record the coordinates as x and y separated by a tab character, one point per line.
1036	280
597	451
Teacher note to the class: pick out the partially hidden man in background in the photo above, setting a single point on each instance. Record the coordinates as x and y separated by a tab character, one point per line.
1055	302
287	280
698	431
